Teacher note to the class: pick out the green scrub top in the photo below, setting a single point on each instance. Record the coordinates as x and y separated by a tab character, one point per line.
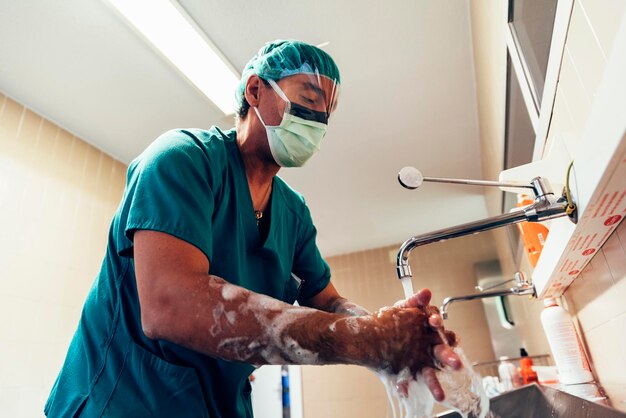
190	184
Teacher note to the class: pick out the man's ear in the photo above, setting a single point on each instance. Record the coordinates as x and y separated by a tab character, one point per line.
253	87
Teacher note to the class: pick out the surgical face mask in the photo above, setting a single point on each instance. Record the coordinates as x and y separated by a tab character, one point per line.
299	134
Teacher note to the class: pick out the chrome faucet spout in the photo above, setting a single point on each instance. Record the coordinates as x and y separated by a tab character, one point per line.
403	268
546	206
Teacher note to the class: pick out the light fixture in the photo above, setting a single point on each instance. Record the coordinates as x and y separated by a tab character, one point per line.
166	25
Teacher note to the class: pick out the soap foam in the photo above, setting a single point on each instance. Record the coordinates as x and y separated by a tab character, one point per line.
279	347
416	403
463	388
231	292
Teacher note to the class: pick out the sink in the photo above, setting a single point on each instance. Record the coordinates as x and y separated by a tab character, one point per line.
534	401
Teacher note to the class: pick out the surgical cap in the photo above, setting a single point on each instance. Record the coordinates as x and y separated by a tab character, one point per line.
282	58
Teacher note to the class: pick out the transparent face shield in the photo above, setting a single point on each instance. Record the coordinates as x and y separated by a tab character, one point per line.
311	97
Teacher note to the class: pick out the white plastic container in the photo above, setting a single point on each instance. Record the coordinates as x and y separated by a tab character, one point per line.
565	345
507	371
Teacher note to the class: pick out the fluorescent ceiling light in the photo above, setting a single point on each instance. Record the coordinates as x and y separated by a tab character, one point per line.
173	33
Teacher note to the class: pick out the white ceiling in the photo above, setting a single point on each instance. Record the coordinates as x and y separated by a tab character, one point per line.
408	98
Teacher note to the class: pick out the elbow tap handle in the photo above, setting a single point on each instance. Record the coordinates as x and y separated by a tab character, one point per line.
412	178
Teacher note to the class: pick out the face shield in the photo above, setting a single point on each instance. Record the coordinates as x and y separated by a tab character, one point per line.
309	96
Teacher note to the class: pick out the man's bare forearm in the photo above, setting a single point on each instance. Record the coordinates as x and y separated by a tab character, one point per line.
227	321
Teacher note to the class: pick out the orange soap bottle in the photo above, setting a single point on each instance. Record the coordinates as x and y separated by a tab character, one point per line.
526	368
533	234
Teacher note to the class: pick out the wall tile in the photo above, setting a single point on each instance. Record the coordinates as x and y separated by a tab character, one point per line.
9	124
604	17
621	233
576	100
26	139
48	217
594	301
585	51
615	258
10	399
606	348
46	143
563	125
476	343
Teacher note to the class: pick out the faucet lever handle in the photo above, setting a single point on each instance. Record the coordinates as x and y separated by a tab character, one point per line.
519	278
412	178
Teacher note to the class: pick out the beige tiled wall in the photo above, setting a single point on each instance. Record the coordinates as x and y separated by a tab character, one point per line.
57	197
592	29
369	278
597	297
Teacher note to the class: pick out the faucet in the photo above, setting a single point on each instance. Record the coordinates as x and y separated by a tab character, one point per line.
546	206
522	287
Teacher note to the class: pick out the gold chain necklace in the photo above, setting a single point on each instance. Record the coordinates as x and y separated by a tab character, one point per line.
259	213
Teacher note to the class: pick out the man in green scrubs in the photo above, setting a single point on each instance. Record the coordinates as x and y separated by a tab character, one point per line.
206	254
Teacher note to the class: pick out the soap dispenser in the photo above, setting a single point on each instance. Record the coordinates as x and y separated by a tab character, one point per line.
533	234
526	368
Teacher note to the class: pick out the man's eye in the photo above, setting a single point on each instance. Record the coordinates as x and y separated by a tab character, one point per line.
307	100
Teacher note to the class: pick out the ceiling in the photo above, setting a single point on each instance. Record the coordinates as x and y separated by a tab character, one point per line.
408	98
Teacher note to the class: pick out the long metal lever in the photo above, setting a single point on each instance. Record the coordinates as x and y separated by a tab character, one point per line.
412	178
476	182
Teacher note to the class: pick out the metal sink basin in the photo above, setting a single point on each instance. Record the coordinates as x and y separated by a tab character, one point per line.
535	401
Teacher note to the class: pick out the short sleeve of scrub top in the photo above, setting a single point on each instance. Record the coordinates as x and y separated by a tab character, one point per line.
308	261
172	192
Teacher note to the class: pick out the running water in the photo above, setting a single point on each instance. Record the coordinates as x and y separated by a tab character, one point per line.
407	285
463	388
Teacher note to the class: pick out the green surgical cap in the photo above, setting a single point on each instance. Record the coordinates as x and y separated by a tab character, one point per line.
280	59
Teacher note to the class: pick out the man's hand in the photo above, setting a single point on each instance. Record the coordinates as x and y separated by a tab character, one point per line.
442	352
329	300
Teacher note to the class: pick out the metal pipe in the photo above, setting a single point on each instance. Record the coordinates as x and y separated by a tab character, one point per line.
519	291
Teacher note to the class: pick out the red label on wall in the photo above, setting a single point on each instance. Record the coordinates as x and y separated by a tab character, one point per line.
612	220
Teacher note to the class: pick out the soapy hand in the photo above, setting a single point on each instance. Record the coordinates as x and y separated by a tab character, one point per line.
407	336
401	339
442	352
